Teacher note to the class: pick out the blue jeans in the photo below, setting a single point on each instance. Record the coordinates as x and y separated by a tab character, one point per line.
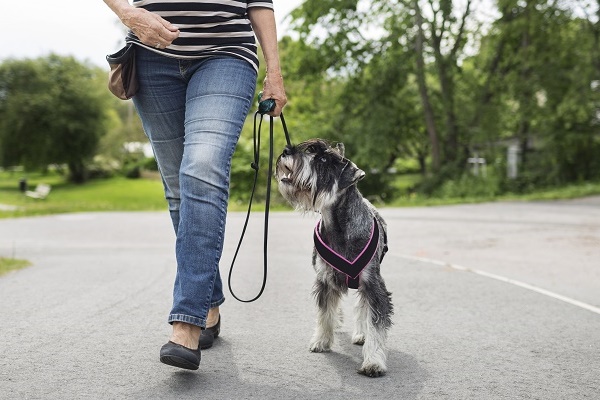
193	112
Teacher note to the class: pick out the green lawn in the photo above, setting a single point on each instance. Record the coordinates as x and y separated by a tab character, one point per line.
115	194
11	264
122	194
566	192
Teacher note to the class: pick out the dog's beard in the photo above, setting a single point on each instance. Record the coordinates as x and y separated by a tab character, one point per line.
299	185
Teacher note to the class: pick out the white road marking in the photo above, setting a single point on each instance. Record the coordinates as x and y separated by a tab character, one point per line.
515	282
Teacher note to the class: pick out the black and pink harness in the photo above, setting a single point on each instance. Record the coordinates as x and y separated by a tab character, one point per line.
351	269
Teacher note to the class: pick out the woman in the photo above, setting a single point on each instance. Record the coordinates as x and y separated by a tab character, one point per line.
197	67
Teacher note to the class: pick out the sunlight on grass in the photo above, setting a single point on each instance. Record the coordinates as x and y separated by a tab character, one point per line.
12	264
115	194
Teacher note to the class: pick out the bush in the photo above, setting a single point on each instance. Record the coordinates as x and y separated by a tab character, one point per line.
132	172
134	166
431	183
378	187
103	167
149	164
469	185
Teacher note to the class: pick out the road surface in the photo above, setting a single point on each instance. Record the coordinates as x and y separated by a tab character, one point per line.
87	319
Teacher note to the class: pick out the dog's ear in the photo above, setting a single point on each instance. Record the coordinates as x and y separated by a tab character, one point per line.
340	148
350	176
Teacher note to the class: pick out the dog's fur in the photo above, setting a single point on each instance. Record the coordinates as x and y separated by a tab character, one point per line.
315	176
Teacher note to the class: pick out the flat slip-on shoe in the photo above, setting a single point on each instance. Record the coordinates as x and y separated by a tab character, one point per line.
208	335
180	356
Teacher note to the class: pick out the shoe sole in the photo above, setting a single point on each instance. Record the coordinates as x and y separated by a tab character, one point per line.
178	362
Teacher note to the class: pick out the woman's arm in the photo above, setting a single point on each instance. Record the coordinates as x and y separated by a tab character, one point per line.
151	29
263	23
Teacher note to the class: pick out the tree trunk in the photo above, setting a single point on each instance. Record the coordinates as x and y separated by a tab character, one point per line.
447	88
425	101
77	172
526	91
447	70
422	164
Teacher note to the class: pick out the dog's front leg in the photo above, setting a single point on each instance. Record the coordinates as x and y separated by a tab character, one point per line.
327	298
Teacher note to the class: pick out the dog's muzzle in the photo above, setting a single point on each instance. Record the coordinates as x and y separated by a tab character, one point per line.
286	178
286	175
284	164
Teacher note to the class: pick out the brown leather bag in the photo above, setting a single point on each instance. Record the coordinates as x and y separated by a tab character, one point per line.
122	78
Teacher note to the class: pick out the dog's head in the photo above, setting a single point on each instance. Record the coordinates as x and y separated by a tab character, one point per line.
313	174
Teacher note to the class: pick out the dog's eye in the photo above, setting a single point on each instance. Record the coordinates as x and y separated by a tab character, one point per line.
323	159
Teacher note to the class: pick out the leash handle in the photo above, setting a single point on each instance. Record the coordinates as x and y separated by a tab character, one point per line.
265	106
255	166
268	105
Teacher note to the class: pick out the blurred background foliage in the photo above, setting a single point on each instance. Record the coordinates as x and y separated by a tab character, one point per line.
433	99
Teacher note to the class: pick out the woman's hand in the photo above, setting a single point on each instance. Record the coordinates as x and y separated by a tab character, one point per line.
150	28
273	89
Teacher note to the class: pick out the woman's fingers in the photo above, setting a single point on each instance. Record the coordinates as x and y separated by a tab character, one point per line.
273	89
150	28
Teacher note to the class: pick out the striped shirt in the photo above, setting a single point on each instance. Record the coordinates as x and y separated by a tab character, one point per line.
206	28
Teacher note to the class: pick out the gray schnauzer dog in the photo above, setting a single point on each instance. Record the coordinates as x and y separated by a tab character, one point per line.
315	176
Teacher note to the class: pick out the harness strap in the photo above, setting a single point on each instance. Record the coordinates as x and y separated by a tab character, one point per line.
351	269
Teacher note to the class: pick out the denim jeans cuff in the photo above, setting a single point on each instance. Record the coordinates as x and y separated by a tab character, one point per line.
188	319
217	303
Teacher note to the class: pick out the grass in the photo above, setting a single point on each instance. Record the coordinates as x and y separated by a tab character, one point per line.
122	194
566	192
11	264
114	194
563	193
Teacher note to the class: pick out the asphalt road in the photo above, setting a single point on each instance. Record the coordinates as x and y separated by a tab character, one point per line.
86	321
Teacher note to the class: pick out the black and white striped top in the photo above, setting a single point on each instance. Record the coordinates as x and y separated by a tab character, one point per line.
207	28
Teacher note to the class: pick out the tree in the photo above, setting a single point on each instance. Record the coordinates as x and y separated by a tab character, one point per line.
428	35
53	110
531	75
541	64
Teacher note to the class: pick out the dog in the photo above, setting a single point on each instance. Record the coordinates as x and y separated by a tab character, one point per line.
316	176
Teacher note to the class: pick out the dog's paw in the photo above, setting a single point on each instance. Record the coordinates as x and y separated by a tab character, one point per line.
372	370
358	339
319	346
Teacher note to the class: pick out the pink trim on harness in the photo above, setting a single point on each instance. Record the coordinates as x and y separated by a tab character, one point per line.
351	269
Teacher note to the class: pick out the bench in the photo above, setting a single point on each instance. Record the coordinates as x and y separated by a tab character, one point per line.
41	191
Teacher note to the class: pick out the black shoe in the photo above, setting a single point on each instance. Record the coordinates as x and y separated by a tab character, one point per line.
180	356
208	335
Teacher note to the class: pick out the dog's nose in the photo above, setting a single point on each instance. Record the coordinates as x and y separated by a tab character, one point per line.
288	151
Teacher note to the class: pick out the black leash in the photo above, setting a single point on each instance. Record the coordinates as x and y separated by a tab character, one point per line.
263	108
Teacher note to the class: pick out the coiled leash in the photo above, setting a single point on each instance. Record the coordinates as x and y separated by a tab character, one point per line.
264	107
